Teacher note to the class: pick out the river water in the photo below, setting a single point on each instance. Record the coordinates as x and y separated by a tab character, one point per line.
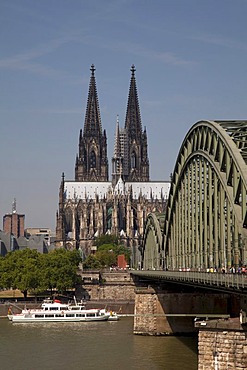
91	346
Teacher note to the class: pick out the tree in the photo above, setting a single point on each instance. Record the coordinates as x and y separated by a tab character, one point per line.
121	249
106	239
21	270
92	263
116	250
106	255
29	270
59	270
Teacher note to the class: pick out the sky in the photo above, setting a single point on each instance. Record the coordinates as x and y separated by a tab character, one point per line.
191	64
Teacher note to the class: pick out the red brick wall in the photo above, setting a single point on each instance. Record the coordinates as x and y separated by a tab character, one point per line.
121	262
14	224
7	223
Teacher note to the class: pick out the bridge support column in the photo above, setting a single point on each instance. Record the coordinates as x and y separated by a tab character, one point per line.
222	344
149	316
164	312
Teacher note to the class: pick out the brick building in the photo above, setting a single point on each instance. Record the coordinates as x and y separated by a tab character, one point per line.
14	223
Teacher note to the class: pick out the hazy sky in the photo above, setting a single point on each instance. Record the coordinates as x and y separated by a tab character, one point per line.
191	64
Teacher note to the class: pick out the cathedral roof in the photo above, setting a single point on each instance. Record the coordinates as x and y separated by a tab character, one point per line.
150	189
86	190
90	190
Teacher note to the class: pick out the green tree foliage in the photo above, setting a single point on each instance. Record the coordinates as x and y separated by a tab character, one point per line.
106	239
60	269
21	270
115	250
31	271
108	250
121	249
107	247
91	262
106	257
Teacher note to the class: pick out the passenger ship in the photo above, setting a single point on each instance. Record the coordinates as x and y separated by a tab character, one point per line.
56	311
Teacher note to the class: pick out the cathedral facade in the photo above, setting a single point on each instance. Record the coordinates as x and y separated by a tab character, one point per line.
91	205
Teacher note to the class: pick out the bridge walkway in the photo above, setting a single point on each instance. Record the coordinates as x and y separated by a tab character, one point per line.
218	281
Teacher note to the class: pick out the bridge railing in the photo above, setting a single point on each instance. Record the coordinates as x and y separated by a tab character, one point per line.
230	281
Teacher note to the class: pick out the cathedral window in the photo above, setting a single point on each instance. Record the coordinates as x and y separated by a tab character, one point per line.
92	159
133	160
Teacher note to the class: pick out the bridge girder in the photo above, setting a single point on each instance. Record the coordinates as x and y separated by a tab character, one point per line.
206	216
153	256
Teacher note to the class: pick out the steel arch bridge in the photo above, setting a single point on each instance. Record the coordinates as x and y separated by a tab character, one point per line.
205	224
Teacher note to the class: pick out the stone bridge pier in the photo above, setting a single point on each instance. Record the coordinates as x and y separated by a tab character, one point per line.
168	311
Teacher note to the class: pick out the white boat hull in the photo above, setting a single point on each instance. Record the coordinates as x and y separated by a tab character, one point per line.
113	318
58	312
25	319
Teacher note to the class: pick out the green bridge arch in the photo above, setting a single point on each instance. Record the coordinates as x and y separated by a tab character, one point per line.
205	224
152	240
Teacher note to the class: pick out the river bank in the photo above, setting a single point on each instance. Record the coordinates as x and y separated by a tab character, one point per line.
113	290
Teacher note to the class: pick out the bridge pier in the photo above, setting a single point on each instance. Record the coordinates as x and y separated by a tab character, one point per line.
149	316
222	344
169	312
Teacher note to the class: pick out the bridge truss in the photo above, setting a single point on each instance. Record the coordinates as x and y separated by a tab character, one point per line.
205	225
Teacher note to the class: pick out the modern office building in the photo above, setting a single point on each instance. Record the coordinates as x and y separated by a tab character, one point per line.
35	231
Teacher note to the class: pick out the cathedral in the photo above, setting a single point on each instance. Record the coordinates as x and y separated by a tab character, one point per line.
91	205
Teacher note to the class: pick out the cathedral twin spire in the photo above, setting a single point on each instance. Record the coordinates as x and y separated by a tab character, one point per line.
92	126
130	160
91	162
136	159
133	123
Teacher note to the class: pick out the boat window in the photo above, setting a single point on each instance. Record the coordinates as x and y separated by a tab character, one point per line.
80	315
70	315
49	315
59	315
90	314
38	316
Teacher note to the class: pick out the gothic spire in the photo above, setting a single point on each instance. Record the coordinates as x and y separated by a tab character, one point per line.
136	163
92	163
117	156
117	145
92	125
133	123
